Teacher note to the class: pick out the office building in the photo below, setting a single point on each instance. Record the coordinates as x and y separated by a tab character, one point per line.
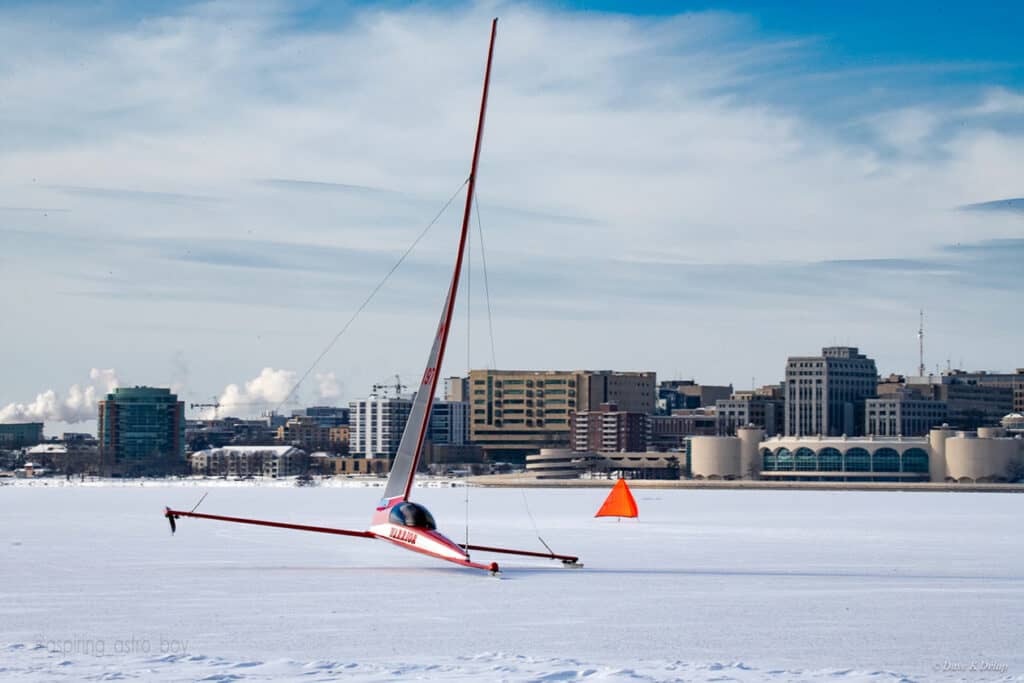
20	434
686	394
767	413
449	423
672	432
515	412
974	399
327	416
609	430
141	432
903	414
825	394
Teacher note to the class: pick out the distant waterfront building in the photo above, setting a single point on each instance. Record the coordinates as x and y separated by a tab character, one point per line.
903	414
1013	423
944	455
686	394
826	394
456	389
767	413
672	432
328	416
376	425
610	430
345	465
250	461
563	463
515	412
310	435
141	432
203	434
449	423
20	434
974	399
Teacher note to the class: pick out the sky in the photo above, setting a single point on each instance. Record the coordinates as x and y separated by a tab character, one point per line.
201	195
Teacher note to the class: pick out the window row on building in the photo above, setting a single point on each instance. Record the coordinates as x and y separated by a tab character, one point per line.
887	460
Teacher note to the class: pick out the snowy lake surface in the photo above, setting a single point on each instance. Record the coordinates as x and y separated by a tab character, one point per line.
706	585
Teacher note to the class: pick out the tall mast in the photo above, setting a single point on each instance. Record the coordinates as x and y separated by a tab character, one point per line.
404	469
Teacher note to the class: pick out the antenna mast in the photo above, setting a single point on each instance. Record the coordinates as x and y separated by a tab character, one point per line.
920	346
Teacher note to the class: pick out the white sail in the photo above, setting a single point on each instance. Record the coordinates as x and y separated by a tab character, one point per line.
404	467
403	470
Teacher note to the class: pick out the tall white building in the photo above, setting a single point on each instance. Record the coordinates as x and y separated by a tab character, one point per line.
376	424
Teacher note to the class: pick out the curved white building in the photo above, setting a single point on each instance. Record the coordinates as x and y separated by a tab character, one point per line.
944	455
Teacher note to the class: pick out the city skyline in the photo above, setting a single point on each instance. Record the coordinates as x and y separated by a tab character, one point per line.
196	195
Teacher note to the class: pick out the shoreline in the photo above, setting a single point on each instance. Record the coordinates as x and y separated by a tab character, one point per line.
519	481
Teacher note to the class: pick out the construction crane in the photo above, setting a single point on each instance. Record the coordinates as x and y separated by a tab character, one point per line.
215	405
397	386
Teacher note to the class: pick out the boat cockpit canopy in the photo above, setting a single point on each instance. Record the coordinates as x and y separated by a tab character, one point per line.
413	515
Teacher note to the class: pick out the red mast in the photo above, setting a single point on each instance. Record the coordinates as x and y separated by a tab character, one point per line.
404	469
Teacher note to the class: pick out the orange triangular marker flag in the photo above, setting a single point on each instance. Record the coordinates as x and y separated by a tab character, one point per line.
619	503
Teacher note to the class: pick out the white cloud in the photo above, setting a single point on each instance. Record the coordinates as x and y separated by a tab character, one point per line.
266	391
328	385
78	404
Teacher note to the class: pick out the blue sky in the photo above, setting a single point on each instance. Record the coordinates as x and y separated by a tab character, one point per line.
199	195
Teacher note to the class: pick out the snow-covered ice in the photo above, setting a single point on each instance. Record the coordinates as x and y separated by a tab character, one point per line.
707	585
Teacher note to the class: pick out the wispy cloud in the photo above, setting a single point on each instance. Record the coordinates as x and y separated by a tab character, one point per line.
217	160
1015	204
117	193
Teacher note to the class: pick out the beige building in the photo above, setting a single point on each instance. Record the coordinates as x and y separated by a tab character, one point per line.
945	455
516	412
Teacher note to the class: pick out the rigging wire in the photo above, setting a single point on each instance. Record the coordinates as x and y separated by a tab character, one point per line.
372	294
494	362
487	288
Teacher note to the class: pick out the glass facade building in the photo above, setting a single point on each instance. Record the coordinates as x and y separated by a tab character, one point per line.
141	431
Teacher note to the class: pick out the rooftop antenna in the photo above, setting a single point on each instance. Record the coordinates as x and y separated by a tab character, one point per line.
920	346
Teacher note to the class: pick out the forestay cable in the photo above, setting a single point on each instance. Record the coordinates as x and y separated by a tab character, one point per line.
373	293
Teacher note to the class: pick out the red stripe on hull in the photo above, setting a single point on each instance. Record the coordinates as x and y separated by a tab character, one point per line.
492	567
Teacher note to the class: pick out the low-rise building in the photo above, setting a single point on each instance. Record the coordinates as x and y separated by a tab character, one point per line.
944	455
345	465
563	463
310	435
671	432
250	461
